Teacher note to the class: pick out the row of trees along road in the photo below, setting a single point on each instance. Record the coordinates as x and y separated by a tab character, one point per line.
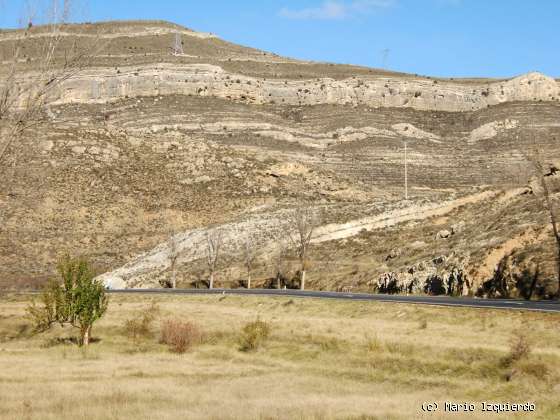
301	224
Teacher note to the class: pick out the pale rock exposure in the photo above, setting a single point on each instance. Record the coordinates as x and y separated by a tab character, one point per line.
490	130
99	85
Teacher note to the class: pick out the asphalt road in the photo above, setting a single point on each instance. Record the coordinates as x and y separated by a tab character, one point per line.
543	306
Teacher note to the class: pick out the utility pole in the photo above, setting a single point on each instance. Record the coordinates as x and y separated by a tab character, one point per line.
405	173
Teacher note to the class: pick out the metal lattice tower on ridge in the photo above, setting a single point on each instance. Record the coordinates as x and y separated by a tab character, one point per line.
177	47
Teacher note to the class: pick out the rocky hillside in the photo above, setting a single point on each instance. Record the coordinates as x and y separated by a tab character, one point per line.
148	143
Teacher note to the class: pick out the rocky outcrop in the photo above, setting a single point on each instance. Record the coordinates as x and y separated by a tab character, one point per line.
101	85
492	129
443	234
444	275
146	269
514	278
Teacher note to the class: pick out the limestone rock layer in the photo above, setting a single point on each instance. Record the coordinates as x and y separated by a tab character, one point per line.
150	142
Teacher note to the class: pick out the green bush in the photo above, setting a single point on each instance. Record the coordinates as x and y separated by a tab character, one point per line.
253	335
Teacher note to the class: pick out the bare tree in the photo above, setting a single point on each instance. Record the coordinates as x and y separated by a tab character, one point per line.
536	162
280	263
173	256
249	257
214	241
302	222
534	280
24	103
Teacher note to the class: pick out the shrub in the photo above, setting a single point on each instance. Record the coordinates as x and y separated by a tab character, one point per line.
520	348
253	335
401	348
374	345
537	369
328	343
179	335
141	325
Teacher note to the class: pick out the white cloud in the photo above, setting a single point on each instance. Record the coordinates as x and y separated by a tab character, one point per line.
333	10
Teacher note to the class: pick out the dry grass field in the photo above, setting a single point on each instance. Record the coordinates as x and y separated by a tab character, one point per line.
322	360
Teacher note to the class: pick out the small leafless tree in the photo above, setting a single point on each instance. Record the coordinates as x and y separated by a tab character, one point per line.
249	257
173	256
214	241
24	103
280	263
302	223
534	281
546	201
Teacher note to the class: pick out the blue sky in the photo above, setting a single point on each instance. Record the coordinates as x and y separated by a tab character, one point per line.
453	38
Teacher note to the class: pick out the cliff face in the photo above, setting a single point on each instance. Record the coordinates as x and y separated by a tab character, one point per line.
143	144
108	85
